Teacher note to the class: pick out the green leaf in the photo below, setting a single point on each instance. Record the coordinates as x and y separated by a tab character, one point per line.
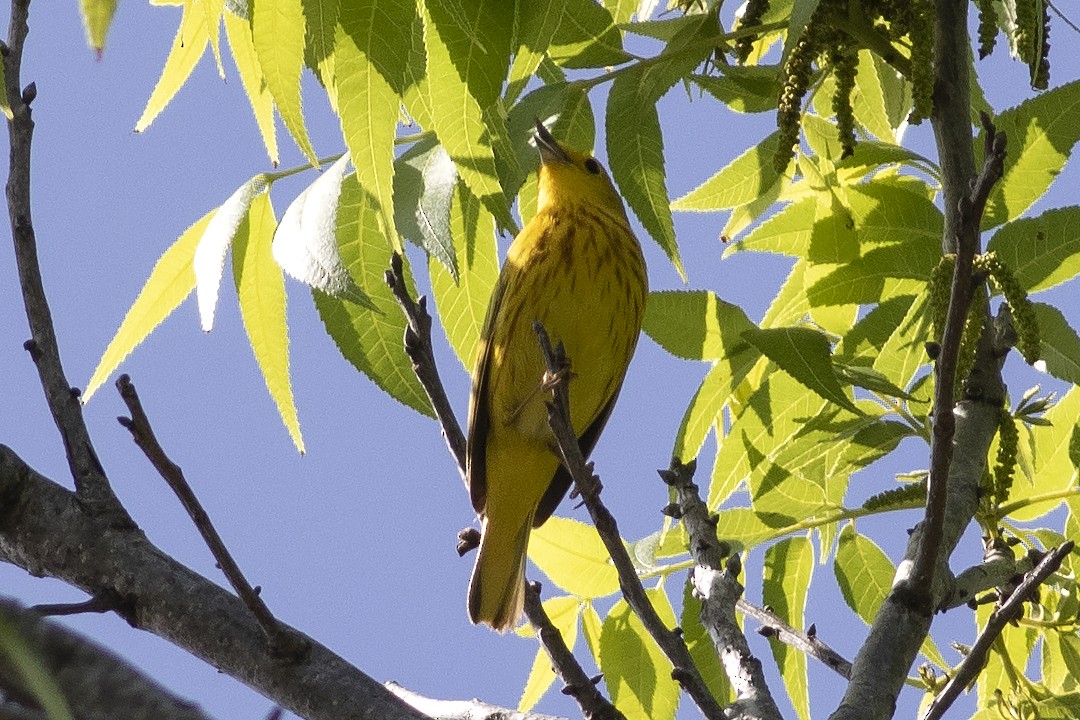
744	528
702	649
537	24
636	671
462	81
743	180
702	412
1061	660
696	325
863	572
1053	455
1043	251
787	232
97	16
563	612
790	306
805	355
1059	343
789	567
277	29
209	263
1042	132
770	417
370	339
321	19
424	183
1009	654
463	305
868	100
238	33
743	88
587	37
214	9
865	280
171	280
191	39
636	154
863	343
261	289
904	353
370	71
21	658
869	379
306	244
573	556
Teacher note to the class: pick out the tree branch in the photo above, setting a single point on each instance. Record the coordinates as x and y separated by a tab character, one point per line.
1011	609
578	685
461	709
418	348
282	643
91	484
716	583
46	530
90	678
588	486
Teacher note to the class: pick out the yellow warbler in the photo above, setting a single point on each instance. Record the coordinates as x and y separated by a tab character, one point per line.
578	269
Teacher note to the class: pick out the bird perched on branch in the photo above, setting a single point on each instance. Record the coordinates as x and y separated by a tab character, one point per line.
578	269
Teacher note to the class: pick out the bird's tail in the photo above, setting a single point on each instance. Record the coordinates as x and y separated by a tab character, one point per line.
497	587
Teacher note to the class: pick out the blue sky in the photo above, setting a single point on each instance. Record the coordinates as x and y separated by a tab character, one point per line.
354	542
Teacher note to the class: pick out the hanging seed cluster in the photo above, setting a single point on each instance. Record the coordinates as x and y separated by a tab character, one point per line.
1005	462
831	41
1030	36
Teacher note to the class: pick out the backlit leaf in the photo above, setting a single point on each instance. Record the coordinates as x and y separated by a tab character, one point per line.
1042	132
277	30
370	337
573	556
463	304
261	289
636	671
191	39
789	567
171	280
1043	251
238	33
804	354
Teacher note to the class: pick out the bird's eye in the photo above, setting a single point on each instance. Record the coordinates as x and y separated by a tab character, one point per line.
592	166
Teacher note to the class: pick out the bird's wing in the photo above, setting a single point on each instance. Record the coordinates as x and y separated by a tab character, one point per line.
479	407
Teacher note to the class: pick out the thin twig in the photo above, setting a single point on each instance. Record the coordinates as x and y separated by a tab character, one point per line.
588	486
578	685
967	245
972	665
418	348
91	484
103	602
282	643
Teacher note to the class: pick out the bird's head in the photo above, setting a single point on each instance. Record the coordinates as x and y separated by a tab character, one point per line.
570	178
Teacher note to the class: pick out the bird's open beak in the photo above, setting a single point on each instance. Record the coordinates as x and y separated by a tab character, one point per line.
550	150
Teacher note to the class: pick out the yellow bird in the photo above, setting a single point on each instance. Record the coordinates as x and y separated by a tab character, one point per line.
578	269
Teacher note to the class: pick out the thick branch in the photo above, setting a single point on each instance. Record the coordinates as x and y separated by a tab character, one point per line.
90	678
47	531
462	709
90	481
